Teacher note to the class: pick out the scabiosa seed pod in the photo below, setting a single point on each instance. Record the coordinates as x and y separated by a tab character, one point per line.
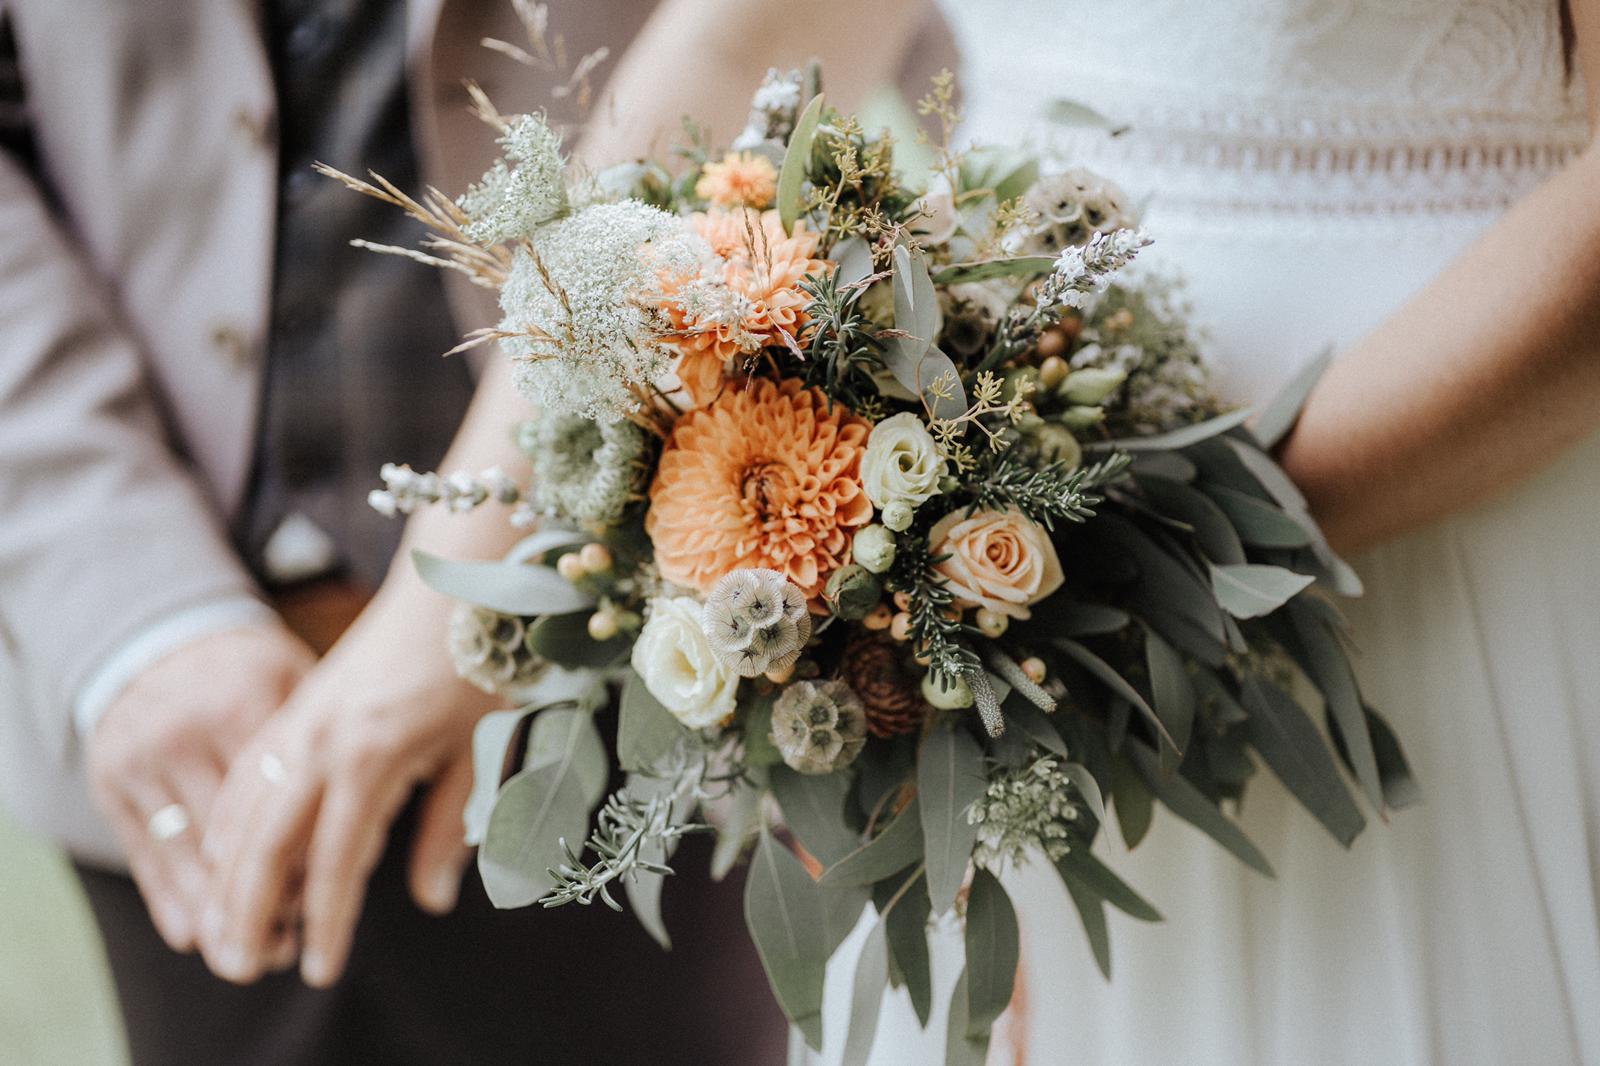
819	726
875	668
490	650
756	621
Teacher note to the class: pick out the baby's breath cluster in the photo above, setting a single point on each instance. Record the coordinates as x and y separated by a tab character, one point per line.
523	190
1029	807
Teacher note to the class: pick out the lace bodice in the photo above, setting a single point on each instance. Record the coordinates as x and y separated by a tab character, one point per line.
1291	105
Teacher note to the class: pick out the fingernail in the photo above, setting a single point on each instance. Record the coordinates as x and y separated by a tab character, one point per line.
232	963
314	969
442	890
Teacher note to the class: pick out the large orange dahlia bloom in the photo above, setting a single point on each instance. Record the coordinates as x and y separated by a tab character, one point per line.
763	265
767	476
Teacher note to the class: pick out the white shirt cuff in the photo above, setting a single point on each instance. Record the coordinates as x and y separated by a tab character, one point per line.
154	642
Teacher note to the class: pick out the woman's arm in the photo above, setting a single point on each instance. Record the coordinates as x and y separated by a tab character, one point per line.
1486	376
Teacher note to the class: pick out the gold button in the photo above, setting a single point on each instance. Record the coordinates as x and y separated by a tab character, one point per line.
257	126
234	345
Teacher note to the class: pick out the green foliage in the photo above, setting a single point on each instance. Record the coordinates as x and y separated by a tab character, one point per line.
950	778
992	953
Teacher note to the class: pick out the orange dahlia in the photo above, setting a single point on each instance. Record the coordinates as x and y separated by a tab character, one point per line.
767	476
760	273
741	179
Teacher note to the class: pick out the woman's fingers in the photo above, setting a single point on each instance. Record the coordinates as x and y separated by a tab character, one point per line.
439	853
351	831
261	823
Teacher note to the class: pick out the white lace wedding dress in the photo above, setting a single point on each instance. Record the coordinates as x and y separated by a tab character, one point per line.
1309	165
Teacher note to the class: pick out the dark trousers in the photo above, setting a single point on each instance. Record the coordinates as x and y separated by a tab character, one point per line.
575	985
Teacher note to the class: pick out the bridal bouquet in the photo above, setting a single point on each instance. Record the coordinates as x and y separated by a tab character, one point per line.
897	530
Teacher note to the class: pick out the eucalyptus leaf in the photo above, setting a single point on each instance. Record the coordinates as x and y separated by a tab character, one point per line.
894	849
1082	116
1290	744
740	814
1253	590
791	178
490	739
1034	724
783	909
1092	912
1171	465
866	996
1257	522
510	588
566	736
646	730
841	910
912	359
1178	439
1082	864
959	1048
1400	788
643	889
1103	672
536	810
992	952
565	639
907	930
1282	489
1189	803
813	808
1130	797
1316	647
1279	415
950	779
1062	616
1212	529
1170	689
1085	783
1005	173
536	544
854	256
1022	266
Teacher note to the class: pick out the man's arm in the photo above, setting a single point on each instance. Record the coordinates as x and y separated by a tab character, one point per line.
104	530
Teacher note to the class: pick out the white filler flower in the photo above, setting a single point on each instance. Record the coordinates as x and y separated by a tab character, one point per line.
902	462
675	660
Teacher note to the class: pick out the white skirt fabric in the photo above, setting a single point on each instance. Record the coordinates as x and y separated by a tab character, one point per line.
1465	930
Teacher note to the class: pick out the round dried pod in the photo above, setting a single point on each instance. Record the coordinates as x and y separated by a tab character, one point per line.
756	620
818	726
876	670
490	651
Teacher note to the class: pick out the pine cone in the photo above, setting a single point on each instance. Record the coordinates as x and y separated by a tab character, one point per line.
875	669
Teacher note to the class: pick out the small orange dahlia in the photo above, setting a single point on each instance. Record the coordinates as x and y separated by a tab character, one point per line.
761	270
742	179
767	476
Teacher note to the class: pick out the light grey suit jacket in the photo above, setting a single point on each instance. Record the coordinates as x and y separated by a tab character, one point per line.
133	319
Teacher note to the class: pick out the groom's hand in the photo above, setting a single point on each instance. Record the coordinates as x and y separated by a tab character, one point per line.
315	792
157	757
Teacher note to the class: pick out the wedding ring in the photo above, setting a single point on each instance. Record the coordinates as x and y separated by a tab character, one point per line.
272	769
169	822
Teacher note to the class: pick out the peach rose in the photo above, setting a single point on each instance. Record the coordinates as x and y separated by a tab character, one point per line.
1001	560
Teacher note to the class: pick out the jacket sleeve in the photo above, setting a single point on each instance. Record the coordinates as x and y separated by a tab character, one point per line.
103	529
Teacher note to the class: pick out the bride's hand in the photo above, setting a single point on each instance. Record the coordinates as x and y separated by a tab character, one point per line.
315	792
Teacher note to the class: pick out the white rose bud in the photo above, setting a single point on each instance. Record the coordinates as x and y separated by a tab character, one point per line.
1091	385
902	462
674	658
953	695
874	548
897	515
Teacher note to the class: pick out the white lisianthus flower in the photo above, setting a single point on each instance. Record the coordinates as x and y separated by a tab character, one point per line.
675	660
939	219
902	462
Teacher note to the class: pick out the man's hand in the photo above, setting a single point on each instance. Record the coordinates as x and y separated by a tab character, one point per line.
315	792
167	740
